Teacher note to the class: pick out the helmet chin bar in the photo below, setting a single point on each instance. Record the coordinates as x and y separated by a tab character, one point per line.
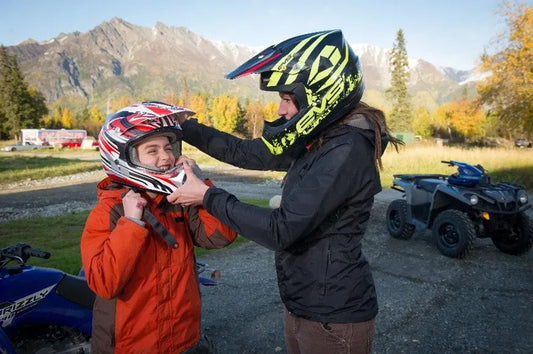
172	178
149	179
179	177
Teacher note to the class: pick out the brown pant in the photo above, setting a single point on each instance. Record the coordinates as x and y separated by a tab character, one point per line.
307	337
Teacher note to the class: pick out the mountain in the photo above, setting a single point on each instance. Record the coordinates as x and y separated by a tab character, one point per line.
117	58
456	75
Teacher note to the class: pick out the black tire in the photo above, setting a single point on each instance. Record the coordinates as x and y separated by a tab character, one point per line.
518	240
397	220
454	233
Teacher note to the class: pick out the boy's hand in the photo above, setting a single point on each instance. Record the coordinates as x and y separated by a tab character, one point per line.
133	205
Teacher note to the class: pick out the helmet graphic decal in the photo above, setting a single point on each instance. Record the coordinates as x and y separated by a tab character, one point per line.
324	75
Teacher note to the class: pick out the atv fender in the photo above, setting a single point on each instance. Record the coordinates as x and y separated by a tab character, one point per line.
445	197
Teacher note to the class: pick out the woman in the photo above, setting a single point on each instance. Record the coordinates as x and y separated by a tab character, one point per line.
330	144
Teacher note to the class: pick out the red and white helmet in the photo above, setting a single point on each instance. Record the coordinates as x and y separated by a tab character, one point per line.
125	129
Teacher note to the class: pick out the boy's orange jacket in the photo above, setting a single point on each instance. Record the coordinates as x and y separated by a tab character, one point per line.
148	298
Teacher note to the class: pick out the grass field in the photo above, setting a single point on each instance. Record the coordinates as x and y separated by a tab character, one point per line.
503	164
510	165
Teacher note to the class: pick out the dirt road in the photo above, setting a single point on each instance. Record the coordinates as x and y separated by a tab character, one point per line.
428	303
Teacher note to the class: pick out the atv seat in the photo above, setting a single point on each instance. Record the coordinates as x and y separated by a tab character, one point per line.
429	184
415	177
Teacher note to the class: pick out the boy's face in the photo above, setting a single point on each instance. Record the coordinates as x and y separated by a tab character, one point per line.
156	152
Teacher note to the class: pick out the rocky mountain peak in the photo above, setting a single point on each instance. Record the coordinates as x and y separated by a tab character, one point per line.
119	58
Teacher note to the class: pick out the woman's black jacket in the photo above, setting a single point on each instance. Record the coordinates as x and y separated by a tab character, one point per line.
327	196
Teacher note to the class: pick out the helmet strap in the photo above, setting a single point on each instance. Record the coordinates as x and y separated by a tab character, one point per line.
161	230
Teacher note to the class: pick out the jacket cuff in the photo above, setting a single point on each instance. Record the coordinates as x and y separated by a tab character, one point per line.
137	221
210	195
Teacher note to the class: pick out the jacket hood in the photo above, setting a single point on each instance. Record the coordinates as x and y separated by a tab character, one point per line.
374	130
107	189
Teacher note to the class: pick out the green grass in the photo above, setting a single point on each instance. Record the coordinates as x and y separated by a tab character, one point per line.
21	167
60	235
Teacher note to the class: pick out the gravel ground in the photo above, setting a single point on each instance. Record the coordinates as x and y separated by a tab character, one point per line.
429	303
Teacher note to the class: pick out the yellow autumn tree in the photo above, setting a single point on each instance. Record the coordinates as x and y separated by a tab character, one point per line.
225	113
67	118
173	99
462	116
508	91
95	115
270	111
94	122
422	122
50	121
468	118
254	118
121	102
57	114
198	104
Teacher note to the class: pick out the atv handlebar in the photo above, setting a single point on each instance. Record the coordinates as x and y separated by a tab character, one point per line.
21	252
38	253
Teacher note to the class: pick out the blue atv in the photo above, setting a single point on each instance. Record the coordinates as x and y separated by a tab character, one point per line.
458	208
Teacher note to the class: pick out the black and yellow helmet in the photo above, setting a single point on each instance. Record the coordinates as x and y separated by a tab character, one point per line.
323	73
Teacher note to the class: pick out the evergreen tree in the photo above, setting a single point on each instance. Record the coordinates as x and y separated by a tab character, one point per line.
400	116
20	106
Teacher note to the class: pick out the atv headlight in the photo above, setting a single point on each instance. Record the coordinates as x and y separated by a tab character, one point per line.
522	197
474	199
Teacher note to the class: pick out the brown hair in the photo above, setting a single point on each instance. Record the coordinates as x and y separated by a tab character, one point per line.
379	123
375	120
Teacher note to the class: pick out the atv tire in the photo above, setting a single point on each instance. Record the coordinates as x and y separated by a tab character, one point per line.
518	240
397	220
454	233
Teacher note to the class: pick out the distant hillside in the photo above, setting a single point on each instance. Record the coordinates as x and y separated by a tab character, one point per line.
117	58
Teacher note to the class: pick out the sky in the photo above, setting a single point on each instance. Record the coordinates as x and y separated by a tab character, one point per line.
447	33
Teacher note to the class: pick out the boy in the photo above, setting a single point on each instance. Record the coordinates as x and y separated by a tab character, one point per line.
137	248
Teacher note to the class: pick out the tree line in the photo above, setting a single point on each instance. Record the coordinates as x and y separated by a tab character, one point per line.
501	108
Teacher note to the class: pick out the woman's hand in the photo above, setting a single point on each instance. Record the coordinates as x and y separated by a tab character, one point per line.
192	192
133	205
182	159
